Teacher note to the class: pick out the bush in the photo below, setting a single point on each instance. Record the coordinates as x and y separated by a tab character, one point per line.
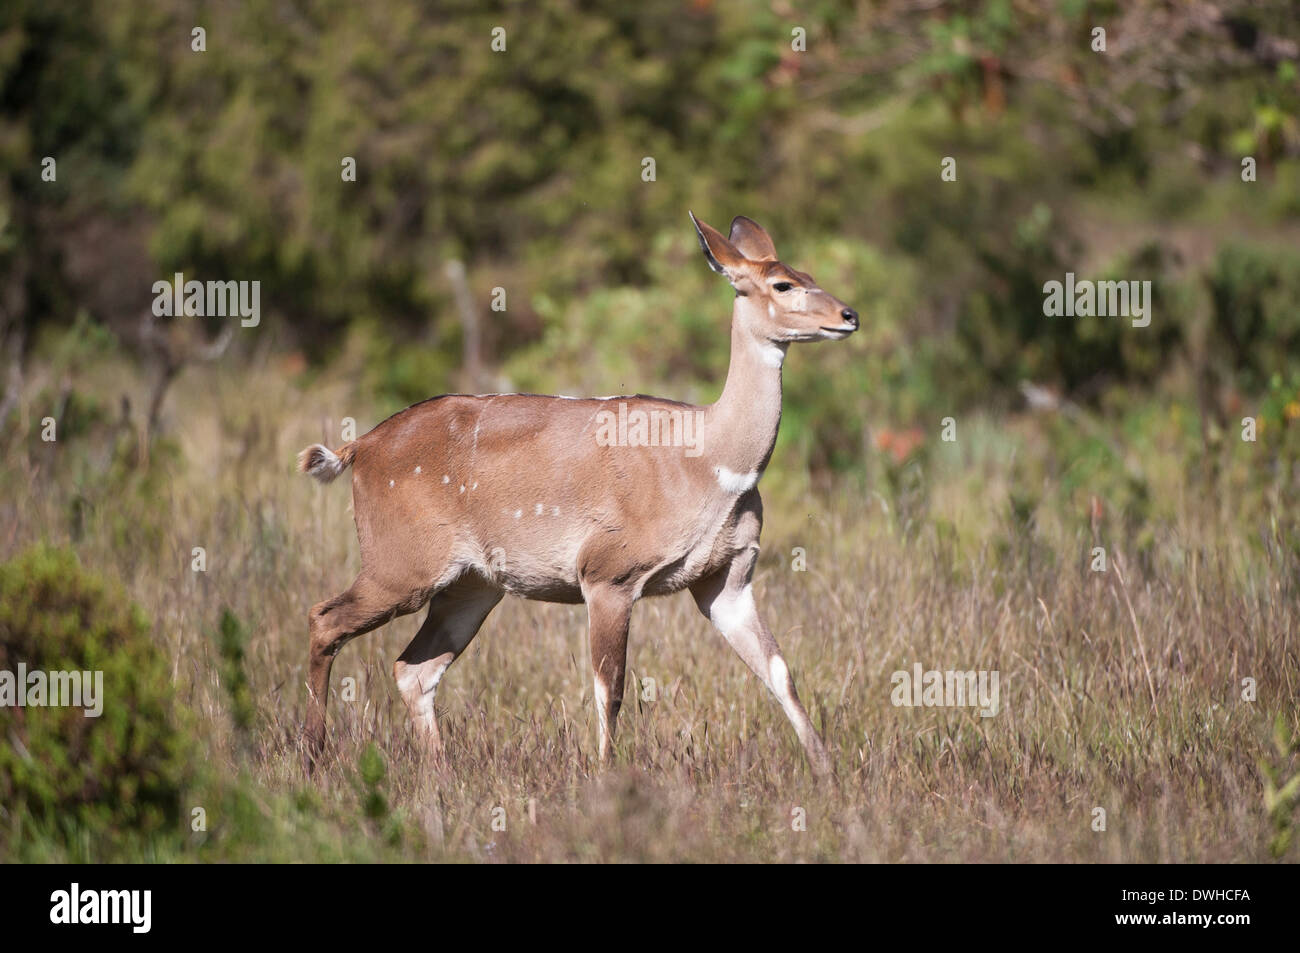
67	780
1254	292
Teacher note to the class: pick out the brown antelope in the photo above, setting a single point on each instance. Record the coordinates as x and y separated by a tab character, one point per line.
459	500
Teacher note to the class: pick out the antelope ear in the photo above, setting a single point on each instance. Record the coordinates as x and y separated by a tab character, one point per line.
722	256
752	240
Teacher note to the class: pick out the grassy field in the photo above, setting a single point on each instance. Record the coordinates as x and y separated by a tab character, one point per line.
1120	690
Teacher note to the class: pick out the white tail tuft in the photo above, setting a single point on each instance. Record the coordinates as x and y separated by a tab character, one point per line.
324	464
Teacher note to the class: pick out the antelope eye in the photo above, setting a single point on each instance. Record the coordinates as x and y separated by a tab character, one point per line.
782	286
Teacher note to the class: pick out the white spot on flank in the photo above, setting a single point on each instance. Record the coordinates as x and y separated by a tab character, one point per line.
518	513
462	488
475	486
539	509
417	469
446	478
732	482
555	511
390	483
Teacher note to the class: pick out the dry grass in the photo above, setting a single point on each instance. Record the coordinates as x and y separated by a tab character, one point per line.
1124	697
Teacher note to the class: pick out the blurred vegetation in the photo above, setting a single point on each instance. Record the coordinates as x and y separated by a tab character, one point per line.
119	786
526	165
66	778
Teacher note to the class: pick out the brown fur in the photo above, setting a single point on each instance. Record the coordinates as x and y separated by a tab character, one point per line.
461	499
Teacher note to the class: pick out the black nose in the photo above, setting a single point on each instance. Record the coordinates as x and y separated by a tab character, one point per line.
850	316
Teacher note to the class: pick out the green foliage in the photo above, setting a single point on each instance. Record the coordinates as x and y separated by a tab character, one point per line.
372	780
65	776
232	637
526	165
403	372
1281	787
372	772
1255	318
120	786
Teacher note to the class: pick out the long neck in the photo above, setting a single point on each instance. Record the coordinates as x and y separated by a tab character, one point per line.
742	425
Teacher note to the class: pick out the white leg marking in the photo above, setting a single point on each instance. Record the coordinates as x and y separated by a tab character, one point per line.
780	677
419	686
732	612
601	694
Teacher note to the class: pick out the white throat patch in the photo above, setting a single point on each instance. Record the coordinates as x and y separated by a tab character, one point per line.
773	355
732	482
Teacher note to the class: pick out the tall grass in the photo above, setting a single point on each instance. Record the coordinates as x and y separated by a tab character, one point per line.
1120	690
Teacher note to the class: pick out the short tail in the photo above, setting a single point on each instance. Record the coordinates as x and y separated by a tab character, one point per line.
325	464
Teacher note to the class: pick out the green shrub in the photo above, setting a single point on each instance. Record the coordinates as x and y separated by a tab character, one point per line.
85	783
1254	292
232	641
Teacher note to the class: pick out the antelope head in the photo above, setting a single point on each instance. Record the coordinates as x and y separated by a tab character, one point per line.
783	305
